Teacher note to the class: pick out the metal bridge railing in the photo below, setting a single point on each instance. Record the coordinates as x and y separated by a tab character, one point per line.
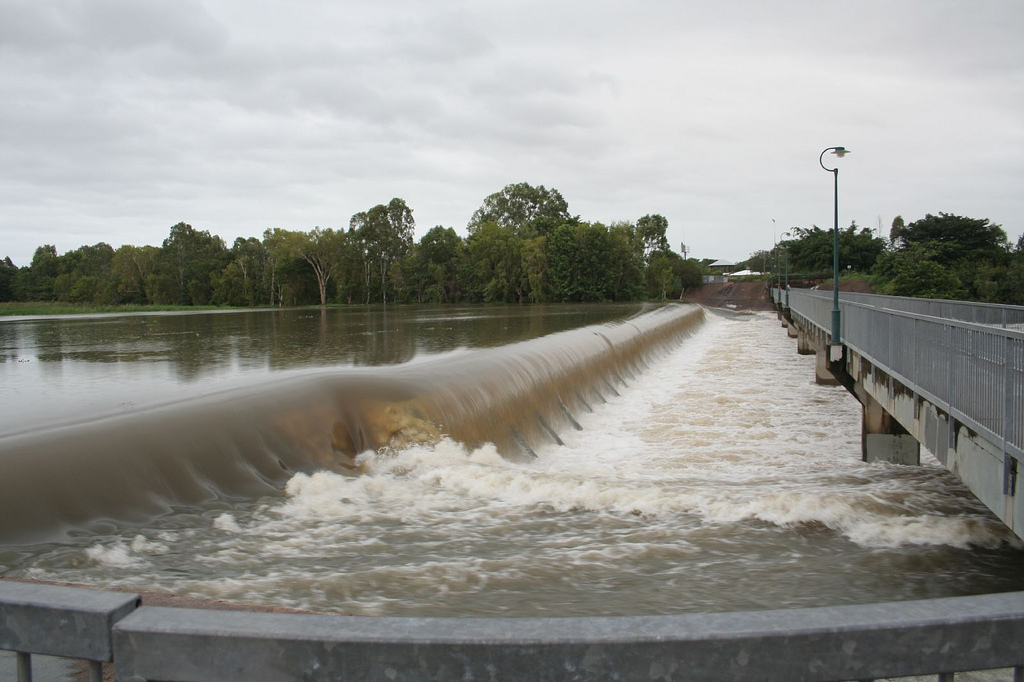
973	371
60	621
828	644
988	314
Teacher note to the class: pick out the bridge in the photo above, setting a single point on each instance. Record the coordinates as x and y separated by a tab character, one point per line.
948	375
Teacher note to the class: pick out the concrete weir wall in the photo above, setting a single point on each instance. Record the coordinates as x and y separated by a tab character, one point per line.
897	420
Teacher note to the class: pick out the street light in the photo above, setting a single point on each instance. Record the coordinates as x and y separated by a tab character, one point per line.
786	247
839	152
778	268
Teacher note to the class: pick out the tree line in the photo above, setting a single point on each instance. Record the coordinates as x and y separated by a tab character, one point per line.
937	256
523	246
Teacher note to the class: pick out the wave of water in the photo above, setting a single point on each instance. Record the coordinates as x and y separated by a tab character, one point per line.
246	442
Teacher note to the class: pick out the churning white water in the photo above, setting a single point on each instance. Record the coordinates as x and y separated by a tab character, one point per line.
722	478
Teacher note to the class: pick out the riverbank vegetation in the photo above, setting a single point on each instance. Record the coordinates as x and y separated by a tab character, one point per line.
937	256
523	246
35	308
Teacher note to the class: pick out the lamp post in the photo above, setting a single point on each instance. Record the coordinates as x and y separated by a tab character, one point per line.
839	152
778	271
777	279
786	247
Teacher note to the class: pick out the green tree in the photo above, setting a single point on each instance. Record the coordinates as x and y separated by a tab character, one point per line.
583	263
353	274
626	263
8	273
229	286
292	280
278	244
953	239
383	235
130	267
85	275
762	260
918	273
35	283
563	264
975	251
688	273
659	275
535	267
439	253
493	270
252	260
811	250
651	232
528	211
321	249
190	258
1011	286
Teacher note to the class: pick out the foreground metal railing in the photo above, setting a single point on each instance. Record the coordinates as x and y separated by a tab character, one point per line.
974	372
867	642
60	621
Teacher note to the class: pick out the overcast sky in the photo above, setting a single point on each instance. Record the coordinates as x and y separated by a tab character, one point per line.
120	118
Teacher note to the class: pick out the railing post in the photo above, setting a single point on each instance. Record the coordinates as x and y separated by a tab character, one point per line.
24	667
1009	463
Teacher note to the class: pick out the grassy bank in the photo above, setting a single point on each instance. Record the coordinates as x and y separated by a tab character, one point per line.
55	308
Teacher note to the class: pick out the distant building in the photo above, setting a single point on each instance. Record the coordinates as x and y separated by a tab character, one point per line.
720	267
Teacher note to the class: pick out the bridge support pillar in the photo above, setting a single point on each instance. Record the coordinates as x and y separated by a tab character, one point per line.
803	343
822	373
787	320
883	439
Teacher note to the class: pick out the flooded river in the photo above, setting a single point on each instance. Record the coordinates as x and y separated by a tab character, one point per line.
555	461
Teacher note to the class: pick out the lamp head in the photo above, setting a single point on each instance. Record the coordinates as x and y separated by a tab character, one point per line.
840	151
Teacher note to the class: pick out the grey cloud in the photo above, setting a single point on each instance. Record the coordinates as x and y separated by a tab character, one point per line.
109	25
121	118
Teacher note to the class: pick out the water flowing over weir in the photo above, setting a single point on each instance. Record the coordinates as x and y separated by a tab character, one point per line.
247	443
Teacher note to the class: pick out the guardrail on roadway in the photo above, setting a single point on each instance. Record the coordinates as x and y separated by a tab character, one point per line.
827	644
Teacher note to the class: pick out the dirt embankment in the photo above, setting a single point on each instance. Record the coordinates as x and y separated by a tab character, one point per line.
754	295
734	295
